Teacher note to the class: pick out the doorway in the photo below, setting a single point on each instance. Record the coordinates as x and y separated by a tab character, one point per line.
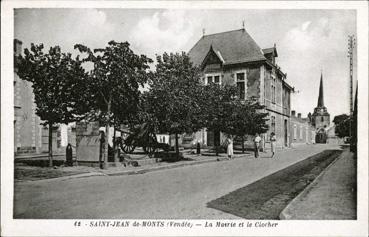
285	133
213	138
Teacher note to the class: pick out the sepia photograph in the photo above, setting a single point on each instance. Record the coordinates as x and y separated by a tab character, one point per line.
190	118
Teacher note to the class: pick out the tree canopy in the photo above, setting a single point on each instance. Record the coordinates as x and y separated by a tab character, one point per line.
342	123
114	83
174	97
58	82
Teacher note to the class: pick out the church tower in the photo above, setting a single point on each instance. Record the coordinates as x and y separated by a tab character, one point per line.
321	117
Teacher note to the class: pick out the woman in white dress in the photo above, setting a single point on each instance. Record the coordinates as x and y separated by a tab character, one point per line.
273	139
229	148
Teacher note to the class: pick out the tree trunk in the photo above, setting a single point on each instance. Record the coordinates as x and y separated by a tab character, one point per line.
177	148
115	153
216	143
243	144
107	133
50	144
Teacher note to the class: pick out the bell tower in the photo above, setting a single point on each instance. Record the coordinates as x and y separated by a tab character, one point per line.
321	117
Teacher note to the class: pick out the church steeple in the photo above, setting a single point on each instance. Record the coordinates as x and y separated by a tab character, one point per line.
320	118
321	98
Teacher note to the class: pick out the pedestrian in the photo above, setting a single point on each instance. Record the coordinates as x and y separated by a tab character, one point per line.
273	140
229	147
257	140
69	155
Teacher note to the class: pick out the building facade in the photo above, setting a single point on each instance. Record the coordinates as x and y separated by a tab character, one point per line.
302	131
321	117
332	138
29	135
234	58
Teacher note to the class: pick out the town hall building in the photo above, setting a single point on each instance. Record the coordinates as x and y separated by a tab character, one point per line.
234	58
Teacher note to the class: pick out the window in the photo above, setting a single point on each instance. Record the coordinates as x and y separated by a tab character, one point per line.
273	83
241	85
301	132
322	119
294	131
210	80
213	78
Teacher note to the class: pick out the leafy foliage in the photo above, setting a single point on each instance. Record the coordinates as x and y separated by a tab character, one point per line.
224	112
173	98
114	82
173	101
246	118
58	81
342	123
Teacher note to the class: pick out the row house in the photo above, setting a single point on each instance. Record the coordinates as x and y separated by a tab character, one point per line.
234	58
302	131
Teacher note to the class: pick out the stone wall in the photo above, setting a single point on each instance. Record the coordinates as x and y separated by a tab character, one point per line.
87	141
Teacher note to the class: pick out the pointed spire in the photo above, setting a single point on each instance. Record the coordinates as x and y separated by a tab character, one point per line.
321	98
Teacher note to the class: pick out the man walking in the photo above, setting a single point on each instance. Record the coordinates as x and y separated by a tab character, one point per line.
257	140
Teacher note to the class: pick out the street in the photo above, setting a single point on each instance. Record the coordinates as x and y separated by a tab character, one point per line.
180	193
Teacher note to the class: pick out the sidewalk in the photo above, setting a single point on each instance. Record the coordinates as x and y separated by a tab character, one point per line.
332	196
86	171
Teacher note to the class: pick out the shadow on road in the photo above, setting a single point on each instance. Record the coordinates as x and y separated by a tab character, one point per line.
267	197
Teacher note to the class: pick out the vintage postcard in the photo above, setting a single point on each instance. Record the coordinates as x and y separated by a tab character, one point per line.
188	118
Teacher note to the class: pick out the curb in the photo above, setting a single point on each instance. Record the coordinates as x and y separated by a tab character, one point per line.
132	172
284	215
74	176
152	169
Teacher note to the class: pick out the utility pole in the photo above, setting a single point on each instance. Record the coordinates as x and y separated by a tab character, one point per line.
351	45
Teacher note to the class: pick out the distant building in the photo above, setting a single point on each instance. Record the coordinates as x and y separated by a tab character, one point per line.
233	57
29	135
302	131
321	117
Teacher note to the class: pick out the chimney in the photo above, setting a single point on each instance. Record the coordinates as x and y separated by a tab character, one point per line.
293	113
299	115
17	47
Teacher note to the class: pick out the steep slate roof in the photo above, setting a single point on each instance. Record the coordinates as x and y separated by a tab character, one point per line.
321	96
235	46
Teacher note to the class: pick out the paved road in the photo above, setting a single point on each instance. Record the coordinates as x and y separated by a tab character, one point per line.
175	193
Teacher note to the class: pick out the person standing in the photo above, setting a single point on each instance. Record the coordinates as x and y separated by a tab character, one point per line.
229	148
257	140
273	140
69	155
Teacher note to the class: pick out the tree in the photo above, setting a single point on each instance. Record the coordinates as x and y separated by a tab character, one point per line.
217	106
114	83
342	123
57	82
246	118
174	95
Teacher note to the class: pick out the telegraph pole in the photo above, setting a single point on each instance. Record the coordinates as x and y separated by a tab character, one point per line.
351	45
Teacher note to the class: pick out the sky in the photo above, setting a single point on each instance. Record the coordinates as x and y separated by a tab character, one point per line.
309	42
